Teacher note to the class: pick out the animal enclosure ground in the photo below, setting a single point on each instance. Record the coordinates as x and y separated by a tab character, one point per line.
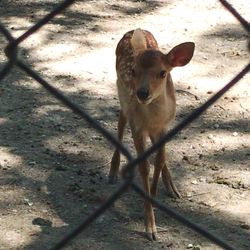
53	165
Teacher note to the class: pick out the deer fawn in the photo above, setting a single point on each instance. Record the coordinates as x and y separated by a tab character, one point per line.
147	99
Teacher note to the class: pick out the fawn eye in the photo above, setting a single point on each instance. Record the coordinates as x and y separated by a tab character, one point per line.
163	74
133	73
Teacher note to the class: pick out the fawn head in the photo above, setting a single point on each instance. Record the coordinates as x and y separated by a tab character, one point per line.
152	66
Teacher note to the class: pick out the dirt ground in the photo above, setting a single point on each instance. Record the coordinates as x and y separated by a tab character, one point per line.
53	165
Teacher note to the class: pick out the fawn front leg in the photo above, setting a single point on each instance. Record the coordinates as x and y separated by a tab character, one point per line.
144	169
115	162
158	165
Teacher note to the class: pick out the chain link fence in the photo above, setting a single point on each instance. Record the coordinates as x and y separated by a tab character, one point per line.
13	60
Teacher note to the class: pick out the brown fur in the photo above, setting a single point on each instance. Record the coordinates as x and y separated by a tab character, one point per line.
147	98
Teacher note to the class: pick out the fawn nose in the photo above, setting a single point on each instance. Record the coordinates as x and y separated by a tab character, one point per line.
142	93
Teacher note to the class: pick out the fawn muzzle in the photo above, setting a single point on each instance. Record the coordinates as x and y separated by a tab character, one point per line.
142	94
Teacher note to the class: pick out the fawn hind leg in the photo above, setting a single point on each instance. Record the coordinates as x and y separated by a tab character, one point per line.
115	162
171	189
161	167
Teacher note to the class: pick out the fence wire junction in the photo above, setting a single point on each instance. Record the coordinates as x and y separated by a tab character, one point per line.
13	60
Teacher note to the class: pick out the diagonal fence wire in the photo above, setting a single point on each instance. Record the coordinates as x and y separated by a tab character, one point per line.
11	52
235	13
151	150
12	55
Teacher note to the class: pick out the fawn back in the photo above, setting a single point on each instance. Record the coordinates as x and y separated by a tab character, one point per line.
125	55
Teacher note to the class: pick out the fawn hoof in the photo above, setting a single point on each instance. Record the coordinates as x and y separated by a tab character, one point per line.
152	236
171	189
174	194
112	179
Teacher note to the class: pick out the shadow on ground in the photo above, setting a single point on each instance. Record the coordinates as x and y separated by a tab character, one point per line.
64	162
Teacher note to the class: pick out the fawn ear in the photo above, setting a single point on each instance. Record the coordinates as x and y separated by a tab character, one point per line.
181	54
138	41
